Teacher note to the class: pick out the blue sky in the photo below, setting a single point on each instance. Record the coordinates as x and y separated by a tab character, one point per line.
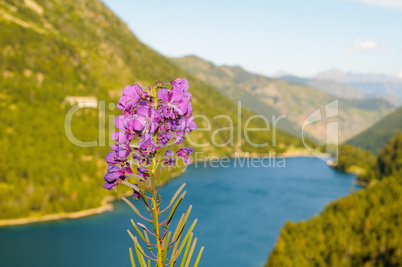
300	37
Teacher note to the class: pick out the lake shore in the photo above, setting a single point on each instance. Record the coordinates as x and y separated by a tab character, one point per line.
105	206
106	202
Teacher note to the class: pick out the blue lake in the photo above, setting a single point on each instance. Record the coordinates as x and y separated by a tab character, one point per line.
240	212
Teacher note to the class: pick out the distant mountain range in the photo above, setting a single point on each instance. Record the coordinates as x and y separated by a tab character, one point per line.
351	77
353	85
379	134
294	97
329	86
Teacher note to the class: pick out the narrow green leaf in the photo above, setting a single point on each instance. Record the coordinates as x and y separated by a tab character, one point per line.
198	257
186	250
177	193
145	200
166	246
131	235
132	207
161	183
147	238
144	227
138	230
139	247
175	207
186	236
173	257
187	213
139	255
132	258
182	223
130	185
190	254
176	232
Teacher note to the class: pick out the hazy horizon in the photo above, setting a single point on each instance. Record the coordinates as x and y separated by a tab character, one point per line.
302	38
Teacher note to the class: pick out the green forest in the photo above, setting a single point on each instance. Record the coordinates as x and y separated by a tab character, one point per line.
362	229
355	160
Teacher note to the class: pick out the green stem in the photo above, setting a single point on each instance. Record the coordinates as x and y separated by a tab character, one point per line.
155	216
155	209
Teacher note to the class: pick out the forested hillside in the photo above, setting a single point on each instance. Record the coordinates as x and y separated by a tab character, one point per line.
355	160
53	49
379	134
363	229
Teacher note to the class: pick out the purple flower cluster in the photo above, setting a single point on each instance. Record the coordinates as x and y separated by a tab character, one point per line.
150	119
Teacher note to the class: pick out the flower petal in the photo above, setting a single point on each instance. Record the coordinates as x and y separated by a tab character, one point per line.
163	94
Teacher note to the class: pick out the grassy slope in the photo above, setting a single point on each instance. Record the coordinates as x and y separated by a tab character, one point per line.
379	134
58	48
267	96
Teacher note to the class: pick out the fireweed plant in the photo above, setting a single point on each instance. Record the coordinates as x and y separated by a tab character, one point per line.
152	118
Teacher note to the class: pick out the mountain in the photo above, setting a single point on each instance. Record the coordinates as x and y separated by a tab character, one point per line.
328	86
279	97
231	81
362	229
280	74
351	77
57	53
375	137
372	85
390	91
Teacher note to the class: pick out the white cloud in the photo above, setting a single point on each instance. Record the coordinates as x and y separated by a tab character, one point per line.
364	45
382	3
399	75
